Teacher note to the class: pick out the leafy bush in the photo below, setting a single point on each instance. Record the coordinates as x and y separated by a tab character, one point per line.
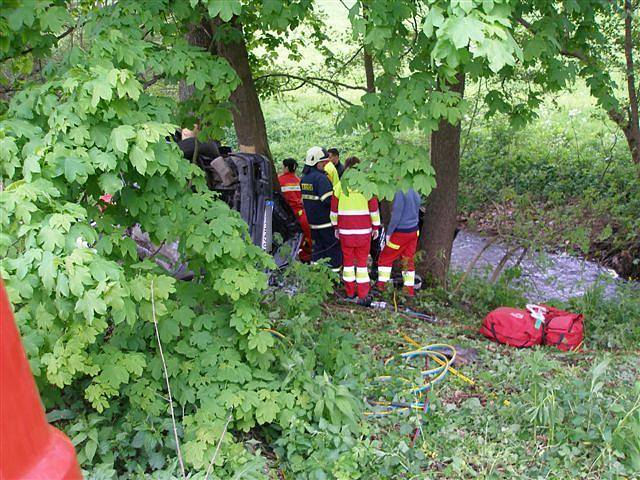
93	316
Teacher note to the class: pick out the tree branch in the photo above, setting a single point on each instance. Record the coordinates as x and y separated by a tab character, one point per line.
314	82
312	79
567	53
30	49
353	57
152	81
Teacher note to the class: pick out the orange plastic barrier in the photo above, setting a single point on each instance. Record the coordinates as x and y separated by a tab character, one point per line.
30	448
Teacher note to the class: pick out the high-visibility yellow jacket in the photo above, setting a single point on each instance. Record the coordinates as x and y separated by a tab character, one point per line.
354	216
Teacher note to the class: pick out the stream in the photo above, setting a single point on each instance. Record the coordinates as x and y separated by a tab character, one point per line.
544	275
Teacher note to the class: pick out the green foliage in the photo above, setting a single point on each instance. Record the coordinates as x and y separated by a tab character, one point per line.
562	181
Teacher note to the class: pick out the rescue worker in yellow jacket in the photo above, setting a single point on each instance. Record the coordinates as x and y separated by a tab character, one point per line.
357	220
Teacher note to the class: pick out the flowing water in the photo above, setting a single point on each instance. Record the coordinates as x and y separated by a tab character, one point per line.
544	276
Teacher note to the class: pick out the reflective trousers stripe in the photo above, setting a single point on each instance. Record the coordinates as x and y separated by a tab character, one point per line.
384	274
321	226
349	274
362	275
409	278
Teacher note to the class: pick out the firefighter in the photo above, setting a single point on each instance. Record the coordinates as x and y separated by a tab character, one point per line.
401	240
357	220
316	197
290	187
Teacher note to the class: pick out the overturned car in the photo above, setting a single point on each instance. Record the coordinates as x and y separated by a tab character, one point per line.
244	182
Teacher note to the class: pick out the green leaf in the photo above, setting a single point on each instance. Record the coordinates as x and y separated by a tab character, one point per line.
31	165
54	18
75	169
168	329
89	304
47	270
120	136
110	183
138	159
22	15
51	238
101	91
225	9
462	30
261	341
103	160
90	449
267	411
434	18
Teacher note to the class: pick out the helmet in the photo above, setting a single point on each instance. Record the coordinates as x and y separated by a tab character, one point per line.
315	155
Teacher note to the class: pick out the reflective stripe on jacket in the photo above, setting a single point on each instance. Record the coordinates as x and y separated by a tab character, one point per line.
354	216
316	197
290	188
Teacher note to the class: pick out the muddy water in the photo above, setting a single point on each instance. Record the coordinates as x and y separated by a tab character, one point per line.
544	276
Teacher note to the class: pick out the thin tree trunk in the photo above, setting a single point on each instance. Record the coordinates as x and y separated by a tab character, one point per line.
368	70
633	136
436	238
248	118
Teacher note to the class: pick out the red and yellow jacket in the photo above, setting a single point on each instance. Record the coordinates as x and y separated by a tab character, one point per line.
355	217
290	187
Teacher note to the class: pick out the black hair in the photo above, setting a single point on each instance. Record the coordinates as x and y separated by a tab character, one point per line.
290	164
333	151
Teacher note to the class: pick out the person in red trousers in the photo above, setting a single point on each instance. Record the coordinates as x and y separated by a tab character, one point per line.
290	188
356	220
401	240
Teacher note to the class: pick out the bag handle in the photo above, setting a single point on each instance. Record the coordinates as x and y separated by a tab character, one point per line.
538	312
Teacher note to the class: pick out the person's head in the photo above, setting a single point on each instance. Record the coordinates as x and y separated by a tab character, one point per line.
186	133
317	157
350	162
334	155
290	165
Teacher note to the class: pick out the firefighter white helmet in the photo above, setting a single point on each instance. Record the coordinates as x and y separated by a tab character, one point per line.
315	155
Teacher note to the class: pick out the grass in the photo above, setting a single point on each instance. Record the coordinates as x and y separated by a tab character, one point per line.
532	413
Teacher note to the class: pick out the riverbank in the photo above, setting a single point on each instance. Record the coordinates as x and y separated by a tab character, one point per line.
569	229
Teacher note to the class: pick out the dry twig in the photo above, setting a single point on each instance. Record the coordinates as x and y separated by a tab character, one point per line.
166	377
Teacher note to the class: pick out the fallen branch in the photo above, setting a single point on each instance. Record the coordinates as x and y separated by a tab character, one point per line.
501	264
166	377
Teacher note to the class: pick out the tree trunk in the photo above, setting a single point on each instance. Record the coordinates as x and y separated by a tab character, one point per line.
633	135
368	70
248	118
436	238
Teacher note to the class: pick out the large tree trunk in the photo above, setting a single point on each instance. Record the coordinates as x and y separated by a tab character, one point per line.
438	230
248	119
